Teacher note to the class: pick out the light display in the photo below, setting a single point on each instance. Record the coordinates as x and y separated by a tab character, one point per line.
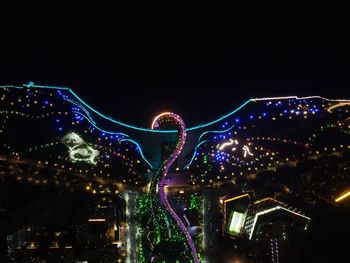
272	133
260	136
159	201
53	117
79	151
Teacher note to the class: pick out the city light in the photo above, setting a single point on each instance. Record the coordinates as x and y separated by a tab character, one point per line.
167	169
342	197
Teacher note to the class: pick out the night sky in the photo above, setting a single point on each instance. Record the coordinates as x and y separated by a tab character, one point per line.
132	68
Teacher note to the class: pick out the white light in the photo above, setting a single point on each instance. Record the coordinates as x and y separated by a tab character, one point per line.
269	211
79	151
246	151
236	222
225	144
72	139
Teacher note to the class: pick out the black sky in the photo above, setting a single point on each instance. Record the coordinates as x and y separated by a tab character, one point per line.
133	67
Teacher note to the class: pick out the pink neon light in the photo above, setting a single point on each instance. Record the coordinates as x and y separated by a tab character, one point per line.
161	184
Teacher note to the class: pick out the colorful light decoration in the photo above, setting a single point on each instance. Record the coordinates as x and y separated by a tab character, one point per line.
158	181
32	85
209	153
233	124
266	152
60	113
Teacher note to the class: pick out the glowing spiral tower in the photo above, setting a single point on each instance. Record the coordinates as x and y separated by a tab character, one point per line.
169	119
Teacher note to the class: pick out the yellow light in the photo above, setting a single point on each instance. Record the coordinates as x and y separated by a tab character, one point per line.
157	117
236	197
342	197
97	220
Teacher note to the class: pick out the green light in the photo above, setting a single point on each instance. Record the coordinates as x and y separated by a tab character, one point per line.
195	202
